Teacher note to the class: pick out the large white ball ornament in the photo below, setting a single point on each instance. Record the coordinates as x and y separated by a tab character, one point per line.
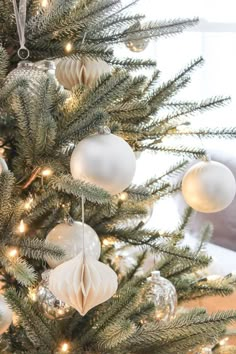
3	165
208	187
70	239
6	315
72	72
105	160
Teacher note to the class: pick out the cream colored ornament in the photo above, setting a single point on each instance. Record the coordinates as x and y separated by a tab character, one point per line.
70	239
85	71
83	283
209	187
105	160
3	165
6	315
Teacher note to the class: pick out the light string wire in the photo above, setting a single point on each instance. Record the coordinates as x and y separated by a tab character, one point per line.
20	15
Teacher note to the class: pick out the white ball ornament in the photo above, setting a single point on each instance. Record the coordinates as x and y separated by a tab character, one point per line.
83	283
72	72
105	160
69	237
209	187
3	165
6	315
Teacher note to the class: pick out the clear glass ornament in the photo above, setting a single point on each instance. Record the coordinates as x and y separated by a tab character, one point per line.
51	306
163	294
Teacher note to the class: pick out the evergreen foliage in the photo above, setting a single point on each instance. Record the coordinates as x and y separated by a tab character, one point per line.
40	123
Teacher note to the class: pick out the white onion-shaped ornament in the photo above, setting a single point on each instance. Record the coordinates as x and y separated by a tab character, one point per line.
69	237
105	160
83	283
209	187
3	165
85	71
6	315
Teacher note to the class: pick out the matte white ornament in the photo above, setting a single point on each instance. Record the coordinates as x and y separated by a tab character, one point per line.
3	165
105	160
70	239
83	283
85	71
208	187
6	315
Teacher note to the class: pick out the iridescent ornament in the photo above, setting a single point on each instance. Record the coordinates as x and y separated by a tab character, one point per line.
162	293
52	307
136	44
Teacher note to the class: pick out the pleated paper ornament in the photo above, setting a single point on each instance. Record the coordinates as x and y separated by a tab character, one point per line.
85	71
83	282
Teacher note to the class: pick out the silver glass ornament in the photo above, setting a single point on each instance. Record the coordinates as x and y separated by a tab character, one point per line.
162	293
51	306
137	45
133	43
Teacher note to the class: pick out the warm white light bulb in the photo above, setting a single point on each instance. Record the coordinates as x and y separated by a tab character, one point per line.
44	3
68	47
28	203
65	347
22	227
47	172
13	252
123	196
223	341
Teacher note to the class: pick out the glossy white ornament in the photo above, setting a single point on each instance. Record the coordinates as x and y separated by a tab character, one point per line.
83	283
6	315
105	160
69	237
208	187
85	71
3	165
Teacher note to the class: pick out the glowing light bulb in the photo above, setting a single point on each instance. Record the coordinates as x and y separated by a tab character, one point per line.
108	242
65	347
224	341
22	227
68	47
46	172
44	3
123	196
13	252
32	294
28	203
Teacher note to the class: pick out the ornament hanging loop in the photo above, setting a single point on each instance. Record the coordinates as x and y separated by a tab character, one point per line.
23	53
20	15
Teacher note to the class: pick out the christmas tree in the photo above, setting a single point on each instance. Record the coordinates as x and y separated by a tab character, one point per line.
67	204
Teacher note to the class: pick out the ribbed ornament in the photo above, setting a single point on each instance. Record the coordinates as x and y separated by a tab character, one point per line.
72	72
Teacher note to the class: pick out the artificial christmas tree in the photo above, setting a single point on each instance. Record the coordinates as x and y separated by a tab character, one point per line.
41	123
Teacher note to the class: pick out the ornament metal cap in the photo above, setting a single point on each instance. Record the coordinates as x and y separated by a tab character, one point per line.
155	275
104	130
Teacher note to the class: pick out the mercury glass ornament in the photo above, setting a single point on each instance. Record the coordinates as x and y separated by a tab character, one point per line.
32	72
53	308
163	294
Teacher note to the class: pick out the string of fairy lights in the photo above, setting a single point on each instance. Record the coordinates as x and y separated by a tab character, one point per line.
22	228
